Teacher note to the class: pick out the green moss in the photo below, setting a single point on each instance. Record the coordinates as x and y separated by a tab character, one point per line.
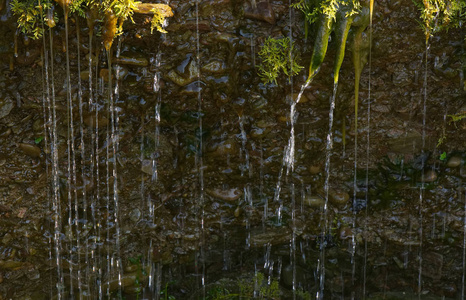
437	15
259	282
157	21
275	57
312	9
457	117
30	15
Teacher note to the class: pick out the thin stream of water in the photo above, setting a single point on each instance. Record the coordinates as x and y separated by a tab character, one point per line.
71	164
47	111
114	141
328	154
200	154
463	277
421	191
371	11
83	155
55	182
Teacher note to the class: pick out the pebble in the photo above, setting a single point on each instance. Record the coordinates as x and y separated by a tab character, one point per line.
133	61
338	198
430	176
230	195
314	201
6	105
214	67
276	236
454	161
147	167
10	264
135	215
104	73
30	150
263	12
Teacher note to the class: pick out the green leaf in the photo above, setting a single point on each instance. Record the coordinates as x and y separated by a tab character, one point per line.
38	140
443	156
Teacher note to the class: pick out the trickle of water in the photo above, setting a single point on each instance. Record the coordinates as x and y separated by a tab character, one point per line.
52	132
71	164
463	291
261	186
156	89
244	140
421	191
288	160
199	157
328	154
253	50
248	200
371	10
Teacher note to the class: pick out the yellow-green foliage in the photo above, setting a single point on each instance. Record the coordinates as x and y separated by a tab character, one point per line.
123	10
260	283
31	14
275	57
439	15
458	117
157	21
313	8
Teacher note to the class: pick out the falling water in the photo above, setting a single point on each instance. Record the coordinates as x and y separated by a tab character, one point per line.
71	164
83	152
51	121
371	10
55	171
421	191
114	139
200	153
244	140
328	154
464	248
154	269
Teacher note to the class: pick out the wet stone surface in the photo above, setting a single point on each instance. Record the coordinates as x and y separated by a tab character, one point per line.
183	185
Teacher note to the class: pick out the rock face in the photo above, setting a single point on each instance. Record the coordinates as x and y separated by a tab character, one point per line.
186	174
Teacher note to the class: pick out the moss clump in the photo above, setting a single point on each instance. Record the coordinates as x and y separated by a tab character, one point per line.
157	21
30	14
34	14
261	284
278	55
312	9
437	15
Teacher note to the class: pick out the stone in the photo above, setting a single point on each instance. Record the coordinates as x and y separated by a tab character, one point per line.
430	176
6	105
454	161
263	12
147	8
229	195
338	197
314	201
148	166
133	61
29	149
